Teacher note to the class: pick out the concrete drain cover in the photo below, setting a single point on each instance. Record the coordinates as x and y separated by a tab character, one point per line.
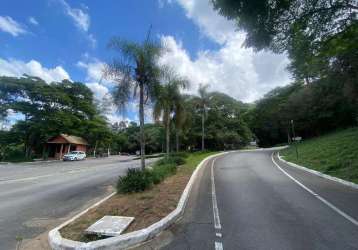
110	225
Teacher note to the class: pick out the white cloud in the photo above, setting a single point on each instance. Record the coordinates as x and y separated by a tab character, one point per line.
98	90
17	68
92	40
33	21
82	20
9	25
94	69
79	16
101	88
232	69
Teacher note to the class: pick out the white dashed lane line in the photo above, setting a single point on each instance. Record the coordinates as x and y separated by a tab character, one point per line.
330	205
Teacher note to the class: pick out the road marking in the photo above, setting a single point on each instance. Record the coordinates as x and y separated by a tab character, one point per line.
42	176
218	246
24	179
218	235
217	223
330	205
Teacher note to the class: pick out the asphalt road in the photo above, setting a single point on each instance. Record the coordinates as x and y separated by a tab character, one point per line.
35	196
261	207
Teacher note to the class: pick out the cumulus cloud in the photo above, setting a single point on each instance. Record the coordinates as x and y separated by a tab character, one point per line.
232	69
101	89
17	68
80	16
33	21
9	25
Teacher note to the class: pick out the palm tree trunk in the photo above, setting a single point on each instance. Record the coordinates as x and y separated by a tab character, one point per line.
203	131
95	149
141	124
177	139
168	134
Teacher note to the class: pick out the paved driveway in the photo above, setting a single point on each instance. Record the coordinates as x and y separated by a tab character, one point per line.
35	195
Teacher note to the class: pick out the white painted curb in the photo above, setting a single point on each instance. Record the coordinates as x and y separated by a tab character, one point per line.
326	176
130	239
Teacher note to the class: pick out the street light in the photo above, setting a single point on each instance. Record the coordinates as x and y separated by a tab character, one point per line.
294	137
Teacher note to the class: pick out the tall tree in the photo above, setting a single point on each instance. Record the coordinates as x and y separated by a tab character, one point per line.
180	118
137	75
169	101
203	102
273	23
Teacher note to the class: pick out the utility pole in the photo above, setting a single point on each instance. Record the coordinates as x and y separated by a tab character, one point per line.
294	137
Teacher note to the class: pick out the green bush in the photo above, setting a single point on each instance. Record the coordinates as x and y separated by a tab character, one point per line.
135	180
138	180
180	154
160	172
176	160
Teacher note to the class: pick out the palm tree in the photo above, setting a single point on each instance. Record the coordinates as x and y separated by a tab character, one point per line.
180	118
136	73
203	102
169	101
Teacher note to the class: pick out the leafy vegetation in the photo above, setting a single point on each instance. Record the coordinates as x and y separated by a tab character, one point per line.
334	154
321	40
138	180
136	73
169	102
48	110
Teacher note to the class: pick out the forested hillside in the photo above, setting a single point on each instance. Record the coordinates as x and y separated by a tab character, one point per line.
321	40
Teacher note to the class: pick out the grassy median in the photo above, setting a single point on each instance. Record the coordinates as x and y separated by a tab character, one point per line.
147	207
335	154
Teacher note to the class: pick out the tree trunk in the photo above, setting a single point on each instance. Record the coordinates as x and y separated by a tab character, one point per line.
203	131
177	139
95	148
141	124
167	122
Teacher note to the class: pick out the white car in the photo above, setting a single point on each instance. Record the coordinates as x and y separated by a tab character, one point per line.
74	156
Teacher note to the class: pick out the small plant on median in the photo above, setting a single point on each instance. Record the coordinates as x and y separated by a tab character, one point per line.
176	160
136	180
139	180
160	172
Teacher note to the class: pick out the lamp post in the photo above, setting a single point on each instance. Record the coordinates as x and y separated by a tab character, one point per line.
294	137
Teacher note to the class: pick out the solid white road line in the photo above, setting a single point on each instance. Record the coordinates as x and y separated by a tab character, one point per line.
218	246
217	223
330	205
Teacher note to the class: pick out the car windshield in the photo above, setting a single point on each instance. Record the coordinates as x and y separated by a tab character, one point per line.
73	152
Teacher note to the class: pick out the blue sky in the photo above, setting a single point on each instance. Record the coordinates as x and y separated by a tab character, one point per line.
57	39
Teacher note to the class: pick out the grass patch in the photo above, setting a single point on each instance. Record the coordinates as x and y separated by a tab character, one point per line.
335	154
147	207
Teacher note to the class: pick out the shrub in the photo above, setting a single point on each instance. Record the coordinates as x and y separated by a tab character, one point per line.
135	180
180	154
160	172
176	160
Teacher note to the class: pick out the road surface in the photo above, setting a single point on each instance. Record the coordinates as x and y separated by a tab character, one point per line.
247	202
34	196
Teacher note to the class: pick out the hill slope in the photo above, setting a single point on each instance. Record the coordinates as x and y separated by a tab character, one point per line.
335	154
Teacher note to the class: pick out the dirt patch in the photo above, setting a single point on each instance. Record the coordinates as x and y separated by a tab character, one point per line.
147	207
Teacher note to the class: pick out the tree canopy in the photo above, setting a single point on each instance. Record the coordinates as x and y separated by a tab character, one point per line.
50	109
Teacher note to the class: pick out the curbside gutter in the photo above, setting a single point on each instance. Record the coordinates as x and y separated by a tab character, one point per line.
326	176
57	242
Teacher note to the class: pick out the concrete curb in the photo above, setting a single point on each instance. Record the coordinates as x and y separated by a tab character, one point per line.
326	176
131	239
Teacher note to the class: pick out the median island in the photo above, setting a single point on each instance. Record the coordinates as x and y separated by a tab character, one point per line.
148	195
